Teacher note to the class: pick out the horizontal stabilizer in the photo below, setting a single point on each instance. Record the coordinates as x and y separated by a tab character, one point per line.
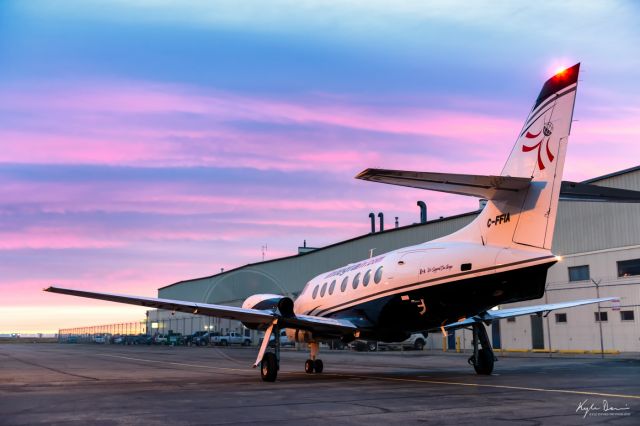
489	316
488	187
573	191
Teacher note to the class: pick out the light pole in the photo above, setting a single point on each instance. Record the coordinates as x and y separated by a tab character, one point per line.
546	300
597	284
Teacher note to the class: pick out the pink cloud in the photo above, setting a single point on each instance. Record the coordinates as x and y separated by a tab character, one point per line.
96	132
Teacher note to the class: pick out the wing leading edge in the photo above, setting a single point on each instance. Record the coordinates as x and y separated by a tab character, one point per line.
254	316
490	316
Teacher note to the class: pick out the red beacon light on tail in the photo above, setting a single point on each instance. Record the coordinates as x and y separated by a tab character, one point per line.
560	71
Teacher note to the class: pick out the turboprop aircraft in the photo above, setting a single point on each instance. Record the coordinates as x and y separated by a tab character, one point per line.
449	283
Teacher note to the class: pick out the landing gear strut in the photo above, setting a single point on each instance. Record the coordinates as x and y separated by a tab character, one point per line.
313	364
482	359
269	361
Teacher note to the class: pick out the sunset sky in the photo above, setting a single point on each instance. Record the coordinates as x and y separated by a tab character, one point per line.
146	142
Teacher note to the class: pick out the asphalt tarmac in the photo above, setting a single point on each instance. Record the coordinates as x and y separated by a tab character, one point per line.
78	384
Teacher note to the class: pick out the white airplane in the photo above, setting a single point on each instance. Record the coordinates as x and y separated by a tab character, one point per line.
445	284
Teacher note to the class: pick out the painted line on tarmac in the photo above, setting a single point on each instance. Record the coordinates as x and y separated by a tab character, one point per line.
482	385
396	379
176	363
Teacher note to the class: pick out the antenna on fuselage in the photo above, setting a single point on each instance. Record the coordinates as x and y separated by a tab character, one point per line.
371	253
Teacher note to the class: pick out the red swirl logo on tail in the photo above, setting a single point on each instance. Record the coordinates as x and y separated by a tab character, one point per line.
546	132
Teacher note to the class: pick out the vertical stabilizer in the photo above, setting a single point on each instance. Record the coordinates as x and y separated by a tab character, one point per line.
540	152
527	217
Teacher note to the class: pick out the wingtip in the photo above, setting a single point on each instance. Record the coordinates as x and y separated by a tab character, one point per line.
362	174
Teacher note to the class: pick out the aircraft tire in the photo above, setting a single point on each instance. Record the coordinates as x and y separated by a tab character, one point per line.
484	366
318	366
269	367
309	366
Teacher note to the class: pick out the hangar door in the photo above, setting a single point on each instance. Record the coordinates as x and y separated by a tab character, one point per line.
537	335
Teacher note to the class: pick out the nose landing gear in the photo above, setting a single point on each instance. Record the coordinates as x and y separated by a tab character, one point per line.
482	358
312	364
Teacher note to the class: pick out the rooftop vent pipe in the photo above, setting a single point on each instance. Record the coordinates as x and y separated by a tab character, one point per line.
397	224
423	211
372	216
381	216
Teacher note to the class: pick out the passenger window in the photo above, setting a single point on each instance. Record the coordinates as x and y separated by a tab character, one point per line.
315	292
378	276
332	287
356	281
343	286
367	278
324	289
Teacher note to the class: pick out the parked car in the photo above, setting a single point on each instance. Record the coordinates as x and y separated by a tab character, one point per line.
135	339
159	339
192	338
415	341
100	338
284	340
232	338
364	345
201	338
175	339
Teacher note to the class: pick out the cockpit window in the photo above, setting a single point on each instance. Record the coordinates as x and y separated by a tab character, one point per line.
367	278
378	276
315	292
343	286
356	281
323	290
332	287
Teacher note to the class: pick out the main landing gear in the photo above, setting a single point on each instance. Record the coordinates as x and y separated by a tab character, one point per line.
313	365
269	361
482	358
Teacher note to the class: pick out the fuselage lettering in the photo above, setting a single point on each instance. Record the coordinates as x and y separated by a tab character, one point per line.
499	220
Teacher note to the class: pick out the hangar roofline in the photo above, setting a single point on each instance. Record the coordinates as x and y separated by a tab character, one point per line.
359	237
613	174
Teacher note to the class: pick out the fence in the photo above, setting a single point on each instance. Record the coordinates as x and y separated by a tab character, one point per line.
90	334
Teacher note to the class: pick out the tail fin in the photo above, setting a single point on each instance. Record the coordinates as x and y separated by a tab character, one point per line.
539	153
523	201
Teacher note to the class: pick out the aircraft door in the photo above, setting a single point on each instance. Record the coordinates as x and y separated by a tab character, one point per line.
407	266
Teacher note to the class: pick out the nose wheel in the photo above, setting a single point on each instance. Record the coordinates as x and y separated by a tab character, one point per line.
313	365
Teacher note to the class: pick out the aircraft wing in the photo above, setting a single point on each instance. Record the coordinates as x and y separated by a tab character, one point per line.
256	316
475	185
489	316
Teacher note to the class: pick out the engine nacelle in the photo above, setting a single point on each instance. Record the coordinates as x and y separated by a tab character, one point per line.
269	302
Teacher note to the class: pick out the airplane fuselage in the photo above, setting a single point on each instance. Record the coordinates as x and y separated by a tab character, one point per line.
425	286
